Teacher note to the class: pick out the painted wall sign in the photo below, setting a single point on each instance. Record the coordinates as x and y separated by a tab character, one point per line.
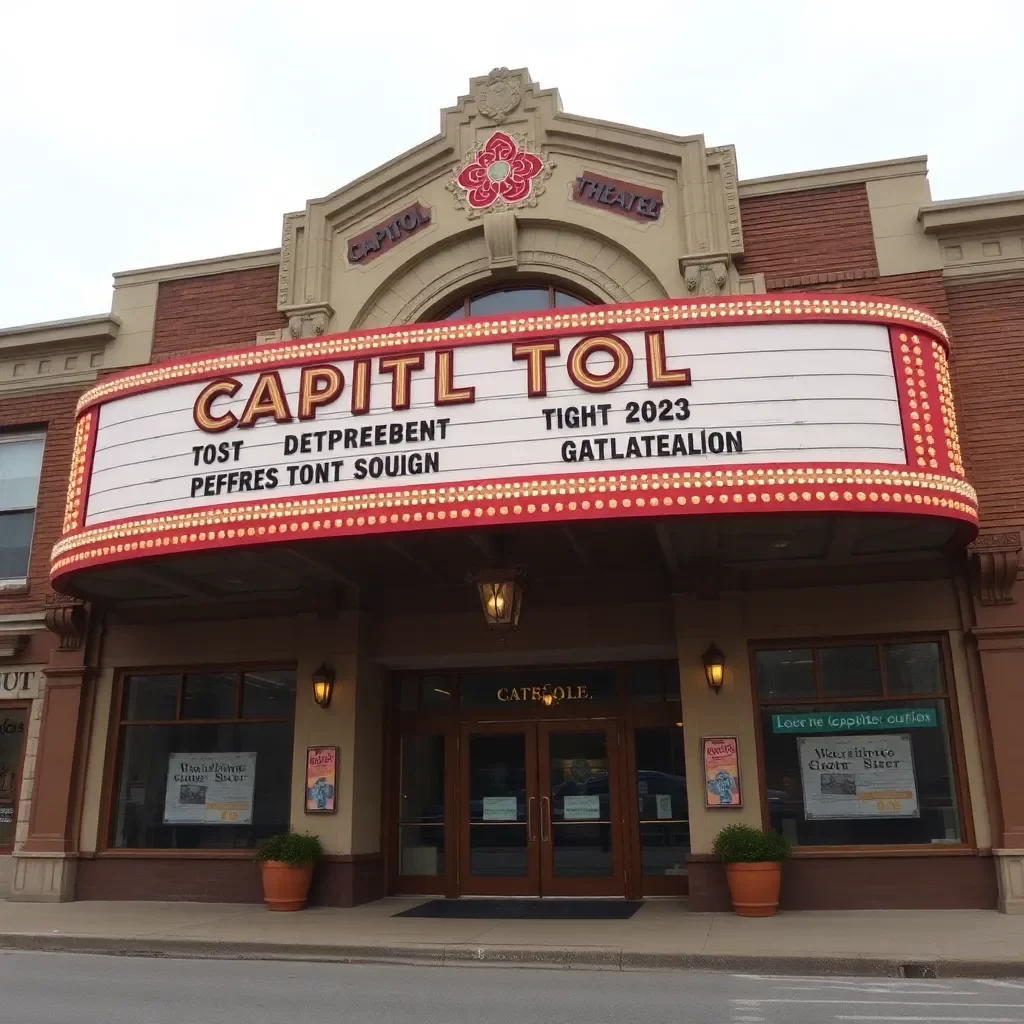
19	683
858	777
722	772
321	780
636	201
673	408
379	239
843	721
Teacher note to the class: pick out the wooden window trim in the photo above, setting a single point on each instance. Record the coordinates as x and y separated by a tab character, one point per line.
968	844
116	723
18	705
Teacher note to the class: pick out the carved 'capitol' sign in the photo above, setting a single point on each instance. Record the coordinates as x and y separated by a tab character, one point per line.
379	239
19	683
636	201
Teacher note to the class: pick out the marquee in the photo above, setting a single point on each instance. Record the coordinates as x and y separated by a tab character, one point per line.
764	404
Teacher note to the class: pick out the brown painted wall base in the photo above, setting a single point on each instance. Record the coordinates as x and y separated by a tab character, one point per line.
863	883
336	883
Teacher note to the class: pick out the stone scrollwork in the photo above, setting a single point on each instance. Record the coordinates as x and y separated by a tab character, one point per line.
67	617
995	559
706	275
498	94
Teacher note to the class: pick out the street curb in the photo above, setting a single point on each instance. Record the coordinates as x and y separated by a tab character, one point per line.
555	957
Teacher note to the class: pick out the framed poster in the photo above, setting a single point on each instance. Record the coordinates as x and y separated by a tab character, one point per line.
868	776
321	780
721	772
210	788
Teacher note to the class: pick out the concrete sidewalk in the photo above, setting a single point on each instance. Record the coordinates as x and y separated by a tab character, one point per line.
662	934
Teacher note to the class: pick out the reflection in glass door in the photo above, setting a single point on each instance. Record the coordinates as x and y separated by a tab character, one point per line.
499	810
540	810
581	841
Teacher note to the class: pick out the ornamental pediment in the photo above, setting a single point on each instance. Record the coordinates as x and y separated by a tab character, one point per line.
508	150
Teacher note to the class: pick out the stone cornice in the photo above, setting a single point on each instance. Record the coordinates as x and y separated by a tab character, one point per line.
830	177
199	268
99	327
977	213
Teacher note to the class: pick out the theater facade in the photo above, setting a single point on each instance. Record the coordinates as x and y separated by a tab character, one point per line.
551	498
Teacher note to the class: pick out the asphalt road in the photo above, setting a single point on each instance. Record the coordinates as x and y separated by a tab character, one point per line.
56	988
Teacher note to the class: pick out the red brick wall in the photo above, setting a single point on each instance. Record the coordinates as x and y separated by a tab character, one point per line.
197	314
819	236
55	412
925	289
987	327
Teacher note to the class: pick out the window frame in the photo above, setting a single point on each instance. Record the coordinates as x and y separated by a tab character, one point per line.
450	307
13	437
18	705
114	751
958	762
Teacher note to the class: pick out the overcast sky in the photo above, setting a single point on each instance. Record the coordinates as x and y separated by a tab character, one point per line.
138	133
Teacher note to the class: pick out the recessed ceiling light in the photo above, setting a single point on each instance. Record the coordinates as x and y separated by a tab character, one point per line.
779	545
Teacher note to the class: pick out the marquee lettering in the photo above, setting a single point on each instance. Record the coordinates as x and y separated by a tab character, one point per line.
321	385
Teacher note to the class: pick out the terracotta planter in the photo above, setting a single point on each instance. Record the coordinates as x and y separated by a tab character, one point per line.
286	886
755	887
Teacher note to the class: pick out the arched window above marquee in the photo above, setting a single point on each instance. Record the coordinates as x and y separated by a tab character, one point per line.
520	299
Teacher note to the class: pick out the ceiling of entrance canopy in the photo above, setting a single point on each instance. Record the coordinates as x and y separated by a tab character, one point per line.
581	563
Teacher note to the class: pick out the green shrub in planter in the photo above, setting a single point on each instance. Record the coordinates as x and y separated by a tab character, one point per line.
744	844
292	848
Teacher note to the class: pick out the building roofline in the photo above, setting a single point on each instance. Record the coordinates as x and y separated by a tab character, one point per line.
830	177
79	328
974	211
199	268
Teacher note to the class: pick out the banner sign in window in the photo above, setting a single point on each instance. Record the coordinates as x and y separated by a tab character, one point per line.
208	789
843	721
858	777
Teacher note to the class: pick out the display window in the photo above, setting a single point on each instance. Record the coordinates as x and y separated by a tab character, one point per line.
204	759
859	744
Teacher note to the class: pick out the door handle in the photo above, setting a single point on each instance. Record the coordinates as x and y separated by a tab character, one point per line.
529	819
545	835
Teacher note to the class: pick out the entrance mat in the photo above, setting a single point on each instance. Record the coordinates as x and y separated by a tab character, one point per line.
526	910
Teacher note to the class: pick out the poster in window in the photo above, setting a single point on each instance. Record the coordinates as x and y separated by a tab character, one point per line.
208	789
868	776
722	772
321	780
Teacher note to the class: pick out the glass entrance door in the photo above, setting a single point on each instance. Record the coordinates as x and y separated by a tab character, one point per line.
541	810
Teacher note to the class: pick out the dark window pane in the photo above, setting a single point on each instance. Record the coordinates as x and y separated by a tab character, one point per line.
151	698
13	729
268	694
787	675
141	791
579	777
210	695
15	544
913	668
581	850
509	300
20	462
664	847
929	815
422	779
660	774
497	805
565	299
436	691
459	313
850	671
645	683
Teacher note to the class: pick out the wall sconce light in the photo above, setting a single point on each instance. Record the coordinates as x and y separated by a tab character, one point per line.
501	597
323	685
714	667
